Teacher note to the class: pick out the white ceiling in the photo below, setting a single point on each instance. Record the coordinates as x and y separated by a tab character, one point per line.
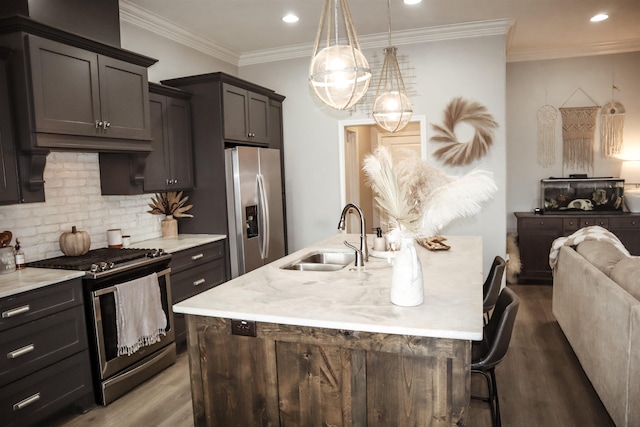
249	31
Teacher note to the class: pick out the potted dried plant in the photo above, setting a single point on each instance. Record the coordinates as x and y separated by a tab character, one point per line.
172	205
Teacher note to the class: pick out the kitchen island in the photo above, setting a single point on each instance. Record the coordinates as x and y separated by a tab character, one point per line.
282	347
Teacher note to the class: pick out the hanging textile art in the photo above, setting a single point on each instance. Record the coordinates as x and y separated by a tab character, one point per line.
611	126
578	133
547	135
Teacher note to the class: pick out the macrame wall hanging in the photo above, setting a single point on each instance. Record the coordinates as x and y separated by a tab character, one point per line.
611	127
578	134
458	153
547	115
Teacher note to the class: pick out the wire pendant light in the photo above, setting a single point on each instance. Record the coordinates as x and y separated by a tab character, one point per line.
392	108
339	74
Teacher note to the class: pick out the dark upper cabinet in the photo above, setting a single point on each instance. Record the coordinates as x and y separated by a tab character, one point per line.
170	163
245	114
8	163
78	92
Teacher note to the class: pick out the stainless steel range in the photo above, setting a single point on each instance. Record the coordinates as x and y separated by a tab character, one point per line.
104	269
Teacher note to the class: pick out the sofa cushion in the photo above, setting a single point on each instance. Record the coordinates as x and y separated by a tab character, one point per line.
603	255
626	273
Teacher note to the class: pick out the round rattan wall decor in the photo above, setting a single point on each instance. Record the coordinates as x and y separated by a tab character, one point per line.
458	153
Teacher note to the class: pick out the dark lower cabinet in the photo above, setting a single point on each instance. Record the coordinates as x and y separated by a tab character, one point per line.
45	368
536	234
193	271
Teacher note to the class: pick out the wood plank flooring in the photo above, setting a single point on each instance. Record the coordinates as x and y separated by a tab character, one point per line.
540	383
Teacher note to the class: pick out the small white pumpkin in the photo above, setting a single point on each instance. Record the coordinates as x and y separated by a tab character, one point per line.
75	243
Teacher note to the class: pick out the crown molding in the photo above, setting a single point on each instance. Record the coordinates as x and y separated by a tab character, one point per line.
375	41
140	17
624	46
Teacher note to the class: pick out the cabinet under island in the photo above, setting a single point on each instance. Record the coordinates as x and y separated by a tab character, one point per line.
279	347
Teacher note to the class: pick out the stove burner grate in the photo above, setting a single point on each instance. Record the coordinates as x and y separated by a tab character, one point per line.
94	256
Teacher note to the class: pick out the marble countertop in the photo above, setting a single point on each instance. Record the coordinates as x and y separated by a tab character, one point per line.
354	299
180	243
31	278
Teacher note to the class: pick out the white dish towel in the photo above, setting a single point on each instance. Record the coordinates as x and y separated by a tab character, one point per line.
140	319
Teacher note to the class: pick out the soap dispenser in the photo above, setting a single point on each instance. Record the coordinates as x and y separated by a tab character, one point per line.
379	243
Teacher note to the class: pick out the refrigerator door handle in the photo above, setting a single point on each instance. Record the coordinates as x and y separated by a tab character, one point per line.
264	210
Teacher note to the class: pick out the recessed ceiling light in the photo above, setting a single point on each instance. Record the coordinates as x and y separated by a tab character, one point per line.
290	18
412	1
599	17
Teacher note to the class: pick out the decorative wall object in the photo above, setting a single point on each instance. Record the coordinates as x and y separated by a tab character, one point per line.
547	115
457	153
578	133
611	127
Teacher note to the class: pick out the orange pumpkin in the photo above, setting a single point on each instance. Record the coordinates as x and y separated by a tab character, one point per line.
75	243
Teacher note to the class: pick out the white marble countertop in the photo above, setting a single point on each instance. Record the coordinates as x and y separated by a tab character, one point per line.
180	243
31	278
357	300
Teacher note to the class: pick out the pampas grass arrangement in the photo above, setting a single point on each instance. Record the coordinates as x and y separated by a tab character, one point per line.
421	199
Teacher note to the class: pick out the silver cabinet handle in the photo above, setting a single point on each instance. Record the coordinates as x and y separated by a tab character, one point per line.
21	351
26	402
199	282
98	124
106	125
15	311
196	257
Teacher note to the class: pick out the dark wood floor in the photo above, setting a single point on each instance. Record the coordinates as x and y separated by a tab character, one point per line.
540	383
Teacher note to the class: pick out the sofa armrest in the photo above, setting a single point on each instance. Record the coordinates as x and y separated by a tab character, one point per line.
634	369
595	316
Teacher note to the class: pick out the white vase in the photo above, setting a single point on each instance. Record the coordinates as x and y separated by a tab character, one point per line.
407	288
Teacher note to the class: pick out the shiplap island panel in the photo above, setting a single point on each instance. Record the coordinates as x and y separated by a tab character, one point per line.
330	348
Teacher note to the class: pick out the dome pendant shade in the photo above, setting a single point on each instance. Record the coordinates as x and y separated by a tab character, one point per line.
392	108
339	74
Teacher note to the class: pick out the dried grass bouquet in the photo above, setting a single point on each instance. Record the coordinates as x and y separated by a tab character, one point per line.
170	203
420	198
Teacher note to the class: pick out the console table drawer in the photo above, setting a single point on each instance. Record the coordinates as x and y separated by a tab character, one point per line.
625	222
591	221
541	223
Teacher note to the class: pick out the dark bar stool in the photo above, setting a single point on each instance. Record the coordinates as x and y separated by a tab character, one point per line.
491	287
486	354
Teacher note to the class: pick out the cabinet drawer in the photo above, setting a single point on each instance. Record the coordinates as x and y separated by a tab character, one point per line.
541	223
569	225
588	222
41	343
196	256
27	306
39	395
198	279
625	222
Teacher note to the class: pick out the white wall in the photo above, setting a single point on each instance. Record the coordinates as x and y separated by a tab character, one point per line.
533	84
473	68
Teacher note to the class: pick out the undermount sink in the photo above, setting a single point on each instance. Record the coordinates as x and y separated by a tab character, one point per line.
322	261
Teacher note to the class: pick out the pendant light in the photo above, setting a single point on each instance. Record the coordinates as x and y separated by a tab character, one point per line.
339	74
392	108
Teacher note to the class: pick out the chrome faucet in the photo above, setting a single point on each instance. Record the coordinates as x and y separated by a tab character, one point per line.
363	234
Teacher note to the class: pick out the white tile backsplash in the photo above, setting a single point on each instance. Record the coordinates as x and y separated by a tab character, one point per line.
72	191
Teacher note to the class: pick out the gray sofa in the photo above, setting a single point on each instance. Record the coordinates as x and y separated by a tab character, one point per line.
596	300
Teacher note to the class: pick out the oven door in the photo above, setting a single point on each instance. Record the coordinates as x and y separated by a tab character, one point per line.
104	314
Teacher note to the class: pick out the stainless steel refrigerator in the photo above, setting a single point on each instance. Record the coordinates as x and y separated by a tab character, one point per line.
254	202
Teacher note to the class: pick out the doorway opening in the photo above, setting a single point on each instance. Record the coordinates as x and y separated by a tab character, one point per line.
357	138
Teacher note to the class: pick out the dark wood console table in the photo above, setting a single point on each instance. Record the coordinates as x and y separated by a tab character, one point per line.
536	233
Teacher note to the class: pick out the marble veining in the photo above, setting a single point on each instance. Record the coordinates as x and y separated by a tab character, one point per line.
357	299
180	243
31	278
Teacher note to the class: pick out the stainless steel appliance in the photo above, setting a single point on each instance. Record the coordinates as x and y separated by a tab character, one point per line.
104	268
254	203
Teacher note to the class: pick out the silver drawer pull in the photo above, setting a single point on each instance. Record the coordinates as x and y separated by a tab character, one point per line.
21	351
15	311
196	257
26	402
199	282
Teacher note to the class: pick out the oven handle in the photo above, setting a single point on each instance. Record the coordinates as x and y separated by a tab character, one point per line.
111	289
